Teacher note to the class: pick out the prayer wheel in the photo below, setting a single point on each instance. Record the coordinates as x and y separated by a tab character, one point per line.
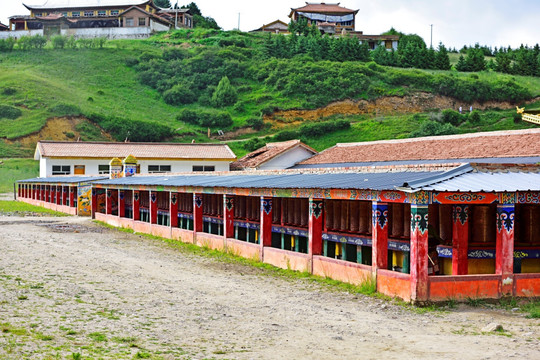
445	223
344	220
397	220
354	216
483	224
337	215
296	217
364	217
304	212
329	218
529	225
276	211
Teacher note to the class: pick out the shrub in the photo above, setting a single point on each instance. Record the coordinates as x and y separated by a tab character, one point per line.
205	118
225	93
474	117
287	135
134	130
71	43
253	144
9	112
452	117
24	42
434	128
66	110
131	61
323	128
58	42
7	44
69	135
8	91
180	94
38	41
255	123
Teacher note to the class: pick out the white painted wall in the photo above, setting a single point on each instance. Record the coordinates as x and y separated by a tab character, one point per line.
17	34
91	166
142	32
287	159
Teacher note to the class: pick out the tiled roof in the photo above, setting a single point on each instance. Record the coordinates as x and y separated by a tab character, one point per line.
325	8
105	150
63	4
258	157
497	144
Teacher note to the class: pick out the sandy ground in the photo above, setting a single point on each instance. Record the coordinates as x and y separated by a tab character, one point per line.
69	286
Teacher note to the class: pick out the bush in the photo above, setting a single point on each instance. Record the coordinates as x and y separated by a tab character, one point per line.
180	94
131	61
225	93
66	110
205	118
323	128
7	44
452	117
134	130
8	91
9	112
255	123
38	41
253	144
287	135
24	43
474	117
58	42
434	128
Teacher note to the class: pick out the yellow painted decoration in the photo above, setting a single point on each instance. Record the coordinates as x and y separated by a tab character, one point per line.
115	162
130	159
535	119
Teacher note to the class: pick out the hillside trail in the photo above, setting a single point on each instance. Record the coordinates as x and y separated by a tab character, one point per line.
68	280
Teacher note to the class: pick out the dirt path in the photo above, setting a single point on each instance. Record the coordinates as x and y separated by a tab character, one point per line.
105	293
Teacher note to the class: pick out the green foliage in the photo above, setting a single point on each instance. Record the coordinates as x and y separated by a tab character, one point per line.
134	130
164	4
434	128
58	41
9	112
474	61
9	91
7	44
451	117
179	94
66	110
474	117
313	130
205	118
255	122
12	170
253	144
225	94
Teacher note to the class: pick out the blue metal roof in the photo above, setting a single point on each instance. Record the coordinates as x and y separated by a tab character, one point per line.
63	179
375	181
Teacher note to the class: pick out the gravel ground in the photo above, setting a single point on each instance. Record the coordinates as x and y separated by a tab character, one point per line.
70	286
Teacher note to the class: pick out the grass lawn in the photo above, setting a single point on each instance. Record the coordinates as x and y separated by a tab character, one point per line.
21	208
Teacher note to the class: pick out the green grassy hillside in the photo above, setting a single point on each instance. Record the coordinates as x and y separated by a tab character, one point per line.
135	88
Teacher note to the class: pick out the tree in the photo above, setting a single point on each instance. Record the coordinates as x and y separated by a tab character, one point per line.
299	27
193	9
164	4
503	61
225	94
442	61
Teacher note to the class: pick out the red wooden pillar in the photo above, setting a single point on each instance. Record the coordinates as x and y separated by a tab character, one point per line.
19	190
266	223
228	216
460	240
65	195
72	191
34	191
46	193
379	236
315	227
24	190
173	206
94	202
58	195
504	251
121	203
419	252
153	207
136	205
197	212
108	202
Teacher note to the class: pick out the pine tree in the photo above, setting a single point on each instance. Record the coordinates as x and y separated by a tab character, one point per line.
225	94
461	64
442	60
502	62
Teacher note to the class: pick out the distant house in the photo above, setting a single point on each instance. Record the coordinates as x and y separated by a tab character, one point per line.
3	27
181	18
92	158
109	18
277	27
389	42
275	156
330	18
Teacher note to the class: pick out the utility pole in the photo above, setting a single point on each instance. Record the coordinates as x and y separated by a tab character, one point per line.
176	17
238	21
431	39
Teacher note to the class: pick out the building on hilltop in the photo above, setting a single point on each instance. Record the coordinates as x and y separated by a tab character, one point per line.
4	27
93	18
272	156
92	158
330	18
277	27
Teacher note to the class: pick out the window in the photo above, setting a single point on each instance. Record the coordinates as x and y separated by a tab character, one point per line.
103	169
204	168
142	21
129	21
61	170
114	12
88	13
102	13
39	14
65	14
346	23
78	169
75	14
159	168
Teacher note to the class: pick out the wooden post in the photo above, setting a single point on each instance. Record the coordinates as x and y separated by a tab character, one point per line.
94	202
121	203
65	195
460	240
136	204
504	251
379	236
173	209
108	202
72	190
153	207
266	223
419	252
198	213
58	195
228	216
19	190
315	228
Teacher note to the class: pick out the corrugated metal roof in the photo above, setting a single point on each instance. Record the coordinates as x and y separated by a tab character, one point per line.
475	181
63	179
375	181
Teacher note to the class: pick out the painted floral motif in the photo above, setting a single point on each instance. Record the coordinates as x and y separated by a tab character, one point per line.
136	196
419	219
507	198
422	198
153	197
229	203
316	208
529	198
392	195
380	215
460	213
465	197
198	201
266	205
174	199
505	219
